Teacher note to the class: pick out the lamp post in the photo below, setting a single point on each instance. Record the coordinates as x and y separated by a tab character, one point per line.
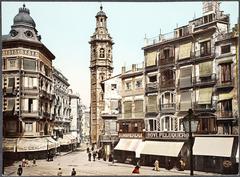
190	125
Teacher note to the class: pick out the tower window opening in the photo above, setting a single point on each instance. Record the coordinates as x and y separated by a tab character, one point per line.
102	54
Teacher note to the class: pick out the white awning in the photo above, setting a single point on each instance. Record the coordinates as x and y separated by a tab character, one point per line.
213	146
123	144
237	155
162	148
31	144
9	144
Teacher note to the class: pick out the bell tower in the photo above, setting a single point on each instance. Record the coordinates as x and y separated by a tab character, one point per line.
101	68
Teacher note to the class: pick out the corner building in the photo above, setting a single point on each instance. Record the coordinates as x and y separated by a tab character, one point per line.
27	91
101	68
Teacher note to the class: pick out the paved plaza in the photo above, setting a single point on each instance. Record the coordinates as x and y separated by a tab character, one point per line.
79	161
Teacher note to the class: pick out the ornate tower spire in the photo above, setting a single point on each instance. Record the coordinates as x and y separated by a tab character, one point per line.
101	69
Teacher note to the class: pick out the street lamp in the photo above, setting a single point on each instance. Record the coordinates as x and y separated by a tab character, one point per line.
190	125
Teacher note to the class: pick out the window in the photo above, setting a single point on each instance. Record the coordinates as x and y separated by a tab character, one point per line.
11	126
10	104
139	84
28	126
152	125
169	124
128	86
226	72
207	125
102	53
205	48
225	49
11	82
113	86
153	78
30	105
12	63
29	64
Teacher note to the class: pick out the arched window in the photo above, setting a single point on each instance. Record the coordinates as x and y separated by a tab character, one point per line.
167	100
102	53
151	124
169	123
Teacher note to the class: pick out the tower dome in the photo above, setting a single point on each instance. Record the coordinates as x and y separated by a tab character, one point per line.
23	18
101	13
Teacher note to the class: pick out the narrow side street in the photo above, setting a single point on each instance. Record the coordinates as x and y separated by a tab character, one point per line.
79	161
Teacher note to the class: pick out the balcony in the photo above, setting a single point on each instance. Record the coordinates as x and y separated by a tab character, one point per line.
168	107
204	107
10	91
166	135
225	84
206	54
223	115
204	81
169	84
107	114
29	113
151	87
166	61
45	95
132	115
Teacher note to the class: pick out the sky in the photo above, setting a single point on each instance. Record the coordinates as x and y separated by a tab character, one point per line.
66	27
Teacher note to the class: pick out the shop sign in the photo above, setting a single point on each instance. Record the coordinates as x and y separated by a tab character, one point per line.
130	135
166	135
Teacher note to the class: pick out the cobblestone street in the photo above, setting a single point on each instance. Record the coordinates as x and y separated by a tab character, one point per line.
79	161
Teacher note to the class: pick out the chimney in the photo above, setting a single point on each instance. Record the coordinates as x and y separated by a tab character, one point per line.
133	67
123	69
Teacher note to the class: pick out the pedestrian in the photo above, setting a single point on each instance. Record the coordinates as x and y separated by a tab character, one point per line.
94	155
156	165
169	165
59	173
34	162
19	170
88	149
73	172
182	165
92	148
89	156
136	169
23	162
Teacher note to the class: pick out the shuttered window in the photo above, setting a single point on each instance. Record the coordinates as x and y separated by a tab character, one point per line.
151	59
152	103
185	51
205	96
186	77
127	109
205	69
11	104
29	64
138	108
186	101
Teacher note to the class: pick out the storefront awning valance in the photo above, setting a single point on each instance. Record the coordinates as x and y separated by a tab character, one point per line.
31	144
205	96
161	148
133	145
9	144
219	146
123	144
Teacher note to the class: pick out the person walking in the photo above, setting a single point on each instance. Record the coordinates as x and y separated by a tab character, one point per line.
19	170
34	162
88	149
137	167
73	172
89	156
59	173
156	165
94	155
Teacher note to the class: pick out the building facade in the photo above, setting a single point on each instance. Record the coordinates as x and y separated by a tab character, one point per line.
131	119
101	68
112	99
27	90
85	124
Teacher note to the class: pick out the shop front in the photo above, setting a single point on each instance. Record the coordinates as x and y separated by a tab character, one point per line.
128	150
215	154
167	153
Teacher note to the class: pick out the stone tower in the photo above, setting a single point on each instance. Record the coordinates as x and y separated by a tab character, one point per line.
101	69
211	7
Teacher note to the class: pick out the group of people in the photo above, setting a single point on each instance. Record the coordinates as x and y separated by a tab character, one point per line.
180	166
25	163
60	173
93	153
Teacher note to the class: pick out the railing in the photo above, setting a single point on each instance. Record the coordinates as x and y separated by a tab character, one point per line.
203	107
166	61
29	113
225	114
228	83
168	106
166	135
151	87
211	79
160	38
206	53
167	84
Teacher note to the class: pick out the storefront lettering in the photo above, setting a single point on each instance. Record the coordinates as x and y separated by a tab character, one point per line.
166	135
130	135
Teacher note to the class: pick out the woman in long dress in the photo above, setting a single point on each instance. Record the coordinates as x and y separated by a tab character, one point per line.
136	169
156	165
